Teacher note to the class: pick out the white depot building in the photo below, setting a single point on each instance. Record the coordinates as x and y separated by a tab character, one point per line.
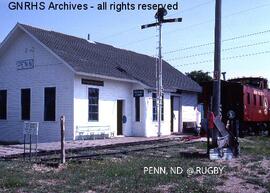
45	74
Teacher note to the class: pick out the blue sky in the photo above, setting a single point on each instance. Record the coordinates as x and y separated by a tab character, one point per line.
243	54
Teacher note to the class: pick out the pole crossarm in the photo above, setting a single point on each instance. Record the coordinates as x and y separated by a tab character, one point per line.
149	25
163	21
172	20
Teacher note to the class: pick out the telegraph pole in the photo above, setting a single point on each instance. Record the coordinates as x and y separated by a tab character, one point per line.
160	20
217	68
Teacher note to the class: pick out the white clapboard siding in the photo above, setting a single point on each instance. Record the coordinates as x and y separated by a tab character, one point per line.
47	72
72	96
108	96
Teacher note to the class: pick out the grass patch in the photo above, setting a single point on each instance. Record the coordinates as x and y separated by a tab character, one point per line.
12	176
125	172
256	145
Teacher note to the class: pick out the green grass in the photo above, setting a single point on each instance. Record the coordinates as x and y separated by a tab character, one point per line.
12	176
125	173
102	176
256	146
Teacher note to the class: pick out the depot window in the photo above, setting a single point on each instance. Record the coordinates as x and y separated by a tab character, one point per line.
154	97
93	95
137	109
3	104
49	103
25	104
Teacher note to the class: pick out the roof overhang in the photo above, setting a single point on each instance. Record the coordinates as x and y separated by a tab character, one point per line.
8	38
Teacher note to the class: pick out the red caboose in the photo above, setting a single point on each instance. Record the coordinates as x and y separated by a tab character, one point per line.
255	105
267	104
248	97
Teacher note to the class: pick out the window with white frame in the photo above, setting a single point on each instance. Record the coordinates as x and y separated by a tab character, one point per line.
93	96
154	98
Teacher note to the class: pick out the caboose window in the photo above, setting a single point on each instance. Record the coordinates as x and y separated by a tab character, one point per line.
261	103
254	100
248	98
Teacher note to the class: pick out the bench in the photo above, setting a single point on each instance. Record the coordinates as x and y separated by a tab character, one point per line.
92	132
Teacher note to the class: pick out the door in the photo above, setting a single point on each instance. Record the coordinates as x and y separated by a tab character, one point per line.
119	117
172	115
175	114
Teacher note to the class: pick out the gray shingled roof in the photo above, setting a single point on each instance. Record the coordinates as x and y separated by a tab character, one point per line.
106	60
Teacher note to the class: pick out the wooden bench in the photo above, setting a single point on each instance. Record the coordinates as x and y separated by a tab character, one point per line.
92	132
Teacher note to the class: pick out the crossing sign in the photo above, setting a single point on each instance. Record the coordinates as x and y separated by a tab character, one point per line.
30	128
231	114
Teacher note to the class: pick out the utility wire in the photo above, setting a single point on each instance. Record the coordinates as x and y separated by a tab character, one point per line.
225	58
224	17
189	48
225	40
191	8
152	36
198	24
245	46
223	50
138	26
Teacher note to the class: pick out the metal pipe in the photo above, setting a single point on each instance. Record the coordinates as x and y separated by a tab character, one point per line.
159	82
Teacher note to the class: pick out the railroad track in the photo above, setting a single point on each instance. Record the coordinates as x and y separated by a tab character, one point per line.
124	151
113	150
42	153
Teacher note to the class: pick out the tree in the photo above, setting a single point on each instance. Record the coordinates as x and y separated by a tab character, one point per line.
199	76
